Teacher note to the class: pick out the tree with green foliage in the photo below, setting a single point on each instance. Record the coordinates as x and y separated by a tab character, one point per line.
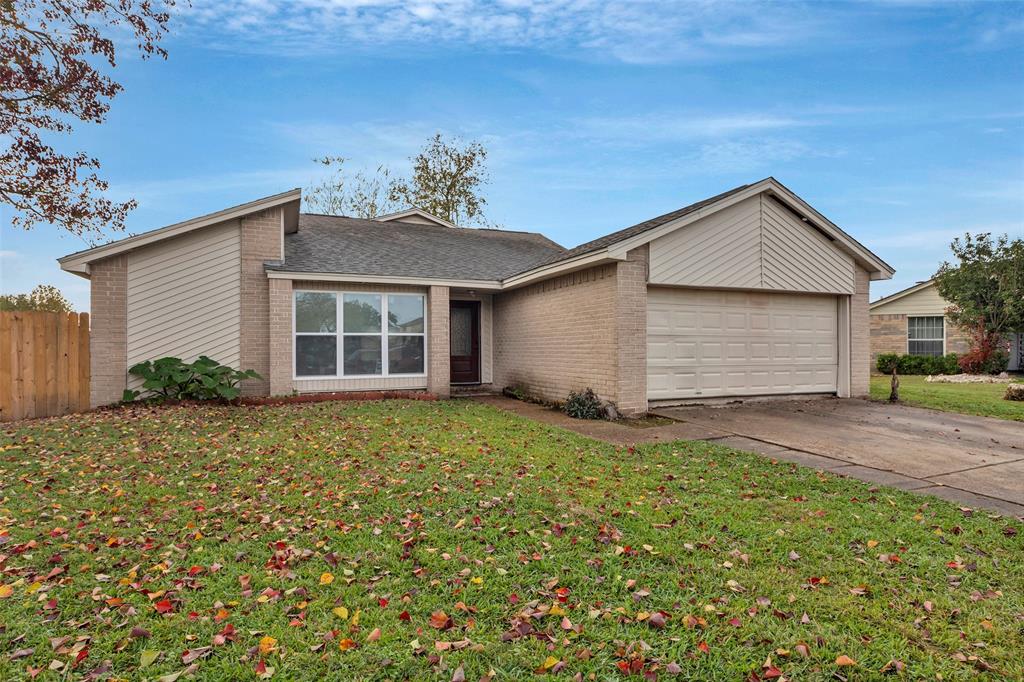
985	289
447	181
359	194
44	297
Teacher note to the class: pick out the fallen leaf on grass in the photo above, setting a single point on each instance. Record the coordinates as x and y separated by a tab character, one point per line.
844	661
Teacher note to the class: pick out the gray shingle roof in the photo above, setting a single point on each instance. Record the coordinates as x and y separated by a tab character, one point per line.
368	247
639	228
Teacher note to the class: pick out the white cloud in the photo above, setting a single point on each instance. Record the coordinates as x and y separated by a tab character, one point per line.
638	31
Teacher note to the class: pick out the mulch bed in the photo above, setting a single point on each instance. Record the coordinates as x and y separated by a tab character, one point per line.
338	395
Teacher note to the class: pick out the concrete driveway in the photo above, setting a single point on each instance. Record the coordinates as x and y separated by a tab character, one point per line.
977	461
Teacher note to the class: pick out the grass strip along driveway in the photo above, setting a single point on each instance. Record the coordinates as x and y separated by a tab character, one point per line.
452	541
984	400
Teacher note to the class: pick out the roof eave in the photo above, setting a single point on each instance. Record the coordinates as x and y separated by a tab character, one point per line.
78	262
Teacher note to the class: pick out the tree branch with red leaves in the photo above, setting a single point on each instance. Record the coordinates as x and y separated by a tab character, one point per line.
55	56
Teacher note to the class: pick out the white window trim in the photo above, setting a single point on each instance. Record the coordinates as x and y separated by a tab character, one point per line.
340	335
941	317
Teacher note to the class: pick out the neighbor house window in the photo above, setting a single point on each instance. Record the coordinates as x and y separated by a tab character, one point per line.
358	334
925	336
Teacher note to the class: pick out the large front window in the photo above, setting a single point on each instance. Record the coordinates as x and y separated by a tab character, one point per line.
925	336
358	334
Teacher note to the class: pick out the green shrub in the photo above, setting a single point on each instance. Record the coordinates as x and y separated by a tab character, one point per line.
584	405
917	364
172	379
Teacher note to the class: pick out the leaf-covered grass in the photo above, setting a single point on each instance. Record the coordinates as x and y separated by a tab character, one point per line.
436	541
984	400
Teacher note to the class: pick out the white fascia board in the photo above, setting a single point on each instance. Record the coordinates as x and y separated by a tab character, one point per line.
561	267
384	279
78	263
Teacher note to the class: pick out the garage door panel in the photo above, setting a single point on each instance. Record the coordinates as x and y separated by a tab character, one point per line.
734	343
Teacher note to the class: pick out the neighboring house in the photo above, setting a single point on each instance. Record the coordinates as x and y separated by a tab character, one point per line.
914	322
751	292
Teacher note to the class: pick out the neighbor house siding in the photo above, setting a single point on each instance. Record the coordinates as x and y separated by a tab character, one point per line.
754	244
108	307
923	302
889	322
184	298
888	335
559	335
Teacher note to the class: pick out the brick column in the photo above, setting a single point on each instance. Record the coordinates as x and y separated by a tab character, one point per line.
860	336
108	333
631	332
281	338
261	241
439	364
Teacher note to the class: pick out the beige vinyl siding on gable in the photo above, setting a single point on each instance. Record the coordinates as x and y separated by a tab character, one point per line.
722	250
754	244
924	302
184	297
796	257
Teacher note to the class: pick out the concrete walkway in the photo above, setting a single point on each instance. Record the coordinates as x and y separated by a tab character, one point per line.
974	461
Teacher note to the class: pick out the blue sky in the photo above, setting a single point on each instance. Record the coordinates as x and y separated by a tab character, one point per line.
901	121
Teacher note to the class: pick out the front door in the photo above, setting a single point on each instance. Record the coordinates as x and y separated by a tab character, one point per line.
465	342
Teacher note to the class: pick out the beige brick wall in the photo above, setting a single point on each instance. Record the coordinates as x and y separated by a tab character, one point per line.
559	335
631	331
281	340
957	340
438	346
888	335
261	241
108	334
860	335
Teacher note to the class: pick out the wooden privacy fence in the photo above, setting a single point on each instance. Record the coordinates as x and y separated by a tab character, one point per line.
44	364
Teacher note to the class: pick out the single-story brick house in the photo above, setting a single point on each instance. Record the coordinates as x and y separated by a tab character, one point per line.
750	292
914	322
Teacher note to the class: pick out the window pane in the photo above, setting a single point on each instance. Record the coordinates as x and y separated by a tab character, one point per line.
461	332
362	354
405	314
405	355
316	356
924	328
362	313
933	348
315	312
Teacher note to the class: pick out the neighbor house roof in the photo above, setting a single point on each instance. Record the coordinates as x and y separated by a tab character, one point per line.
920	286
334	244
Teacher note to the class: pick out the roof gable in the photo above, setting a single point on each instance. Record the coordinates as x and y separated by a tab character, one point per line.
921	299
78	262
415	216
616	244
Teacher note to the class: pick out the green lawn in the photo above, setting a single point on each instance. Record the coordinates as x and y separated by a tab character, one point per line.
985	400
442	541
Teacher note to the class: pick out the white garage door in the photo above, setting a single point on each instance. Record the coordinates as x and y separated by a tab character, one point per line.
708	343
